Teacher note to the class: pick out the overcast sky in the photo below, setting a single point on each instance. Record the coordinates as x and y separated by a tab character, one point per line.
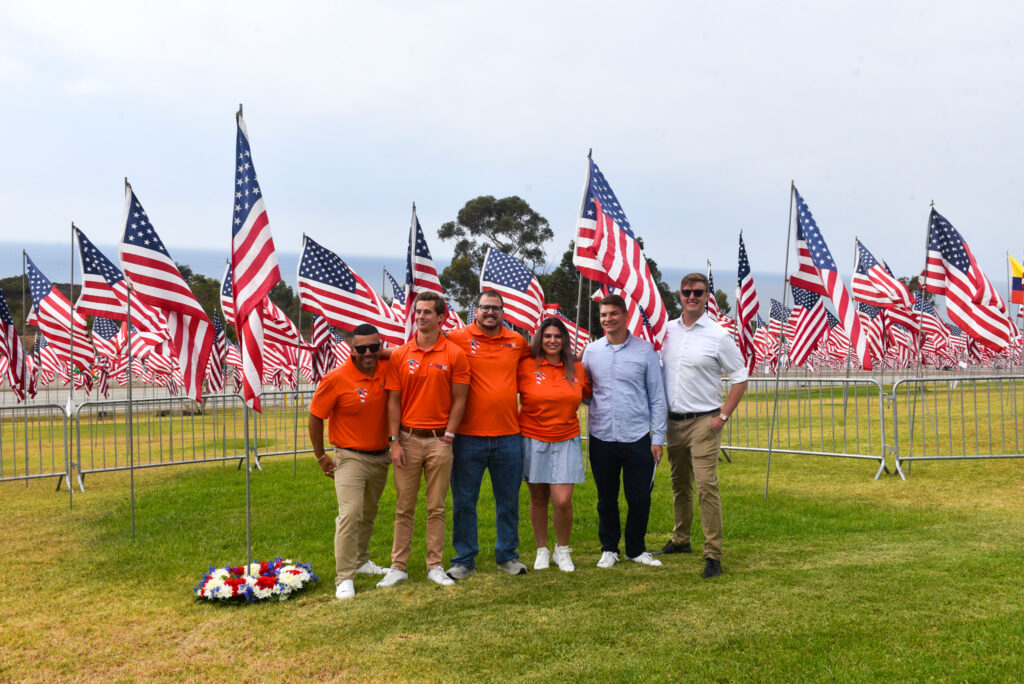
699	114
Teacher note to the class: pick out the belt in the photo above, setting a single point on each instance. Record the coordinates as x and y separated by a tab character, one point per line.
379	452
421	432
672	415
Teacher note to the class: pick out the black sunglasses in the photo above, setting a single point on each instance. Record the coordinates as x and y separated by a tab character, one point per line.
363	348
489	307
695	293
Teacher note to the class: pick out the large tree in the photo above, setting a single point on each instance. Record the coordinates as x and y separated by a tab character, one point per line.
508	224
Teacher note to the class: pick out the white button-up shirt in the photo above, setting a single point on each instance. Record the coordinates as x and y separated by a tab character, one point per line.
693	361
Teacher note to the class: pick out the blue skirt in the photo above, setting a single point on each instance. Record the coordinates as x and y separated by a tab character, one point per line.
553	462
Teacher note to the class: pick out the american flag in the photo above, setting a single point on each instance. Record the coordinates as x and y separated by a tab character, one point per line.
872	321
580	335
608	252
215	370
323	346
158	283
777	316
105	293
971	301
817	272
397	297
765	345
253	265
227	297
342	349
809	326
420	273
747	307
519	288
836	346
329	288
873	284
53	315
712	307
47	360
931	324
12	351
105	334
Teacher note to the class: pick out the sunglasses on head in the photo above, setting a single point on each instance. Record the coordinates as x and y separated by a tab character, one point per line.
693	293
363	348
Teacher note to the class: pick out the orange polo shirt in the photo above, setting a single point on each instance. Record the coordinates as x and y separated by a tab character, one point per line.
425	379
549	403
491	407
356	406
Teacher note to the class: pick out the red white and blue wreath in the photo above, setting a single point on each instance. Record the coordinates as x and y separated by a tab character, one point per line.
271	579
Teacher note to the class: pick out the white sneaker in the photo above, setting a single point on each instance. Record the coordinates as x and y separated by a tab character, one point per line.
562	559
646	559
437	575
608	559
393	577
543	560
345	590
371	568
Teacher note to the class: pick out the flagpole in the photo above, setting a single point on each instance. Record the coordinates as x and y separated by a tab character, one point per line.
782	340
129	426
245	428
26	383
923	283
298	362
71	322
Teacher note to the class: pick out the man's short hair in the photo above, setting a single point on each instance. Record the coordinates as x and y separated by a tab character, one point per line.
615	300
695	278
365	329
490	293
439	305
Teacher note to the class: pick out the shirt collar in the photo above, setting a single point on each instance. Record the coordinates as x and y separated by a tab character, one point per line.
704	320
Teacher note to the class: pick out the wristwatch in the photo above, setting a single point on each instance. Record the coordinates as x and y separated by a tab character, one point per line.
723	417
392	438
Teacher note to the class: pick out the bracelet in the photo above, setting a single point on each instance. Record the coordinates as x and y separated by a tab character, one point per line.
449	434
321	457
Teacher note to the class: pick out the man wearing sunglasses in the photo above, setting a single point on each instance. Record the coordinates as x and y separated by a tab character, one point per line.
352	397
695	355
488	438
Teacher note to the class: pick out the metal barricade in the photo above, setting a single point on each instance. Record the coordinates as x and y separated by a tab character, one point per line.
836	416
957	418
165	431
280	429
34	443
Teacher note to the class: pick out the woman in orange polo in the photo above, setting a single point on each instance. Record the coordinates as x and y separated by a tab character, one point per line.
551	385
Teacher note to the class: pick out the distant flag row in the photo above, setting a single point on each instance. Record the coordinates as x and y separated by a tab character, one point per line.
148	308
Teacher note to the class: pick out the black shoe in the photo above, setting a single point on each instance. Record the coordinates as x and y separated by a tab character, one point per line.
672	547
712	568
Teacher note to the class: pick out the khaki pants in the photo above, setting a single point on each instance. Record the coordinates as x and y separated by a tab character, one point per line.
693	448
358	481
433	458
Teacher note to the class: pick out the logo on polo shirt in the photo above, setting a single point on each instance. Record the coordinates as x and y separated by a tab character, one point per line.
413	365
473	346
361	391
510	345
540	377
438	366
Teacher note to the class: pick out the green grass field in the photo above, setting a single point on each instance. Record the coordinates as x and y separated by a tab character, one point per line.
834	577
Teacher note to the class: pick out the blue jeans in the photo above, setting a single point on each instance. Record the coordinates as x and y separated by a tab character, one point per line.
502	457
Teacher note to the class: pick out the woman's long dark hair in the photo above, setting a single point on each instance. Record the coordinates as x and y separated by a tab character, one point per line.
568	358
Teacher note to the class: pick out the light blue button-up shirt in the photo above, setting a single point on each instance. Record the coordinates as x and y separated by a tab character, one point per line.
629	397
